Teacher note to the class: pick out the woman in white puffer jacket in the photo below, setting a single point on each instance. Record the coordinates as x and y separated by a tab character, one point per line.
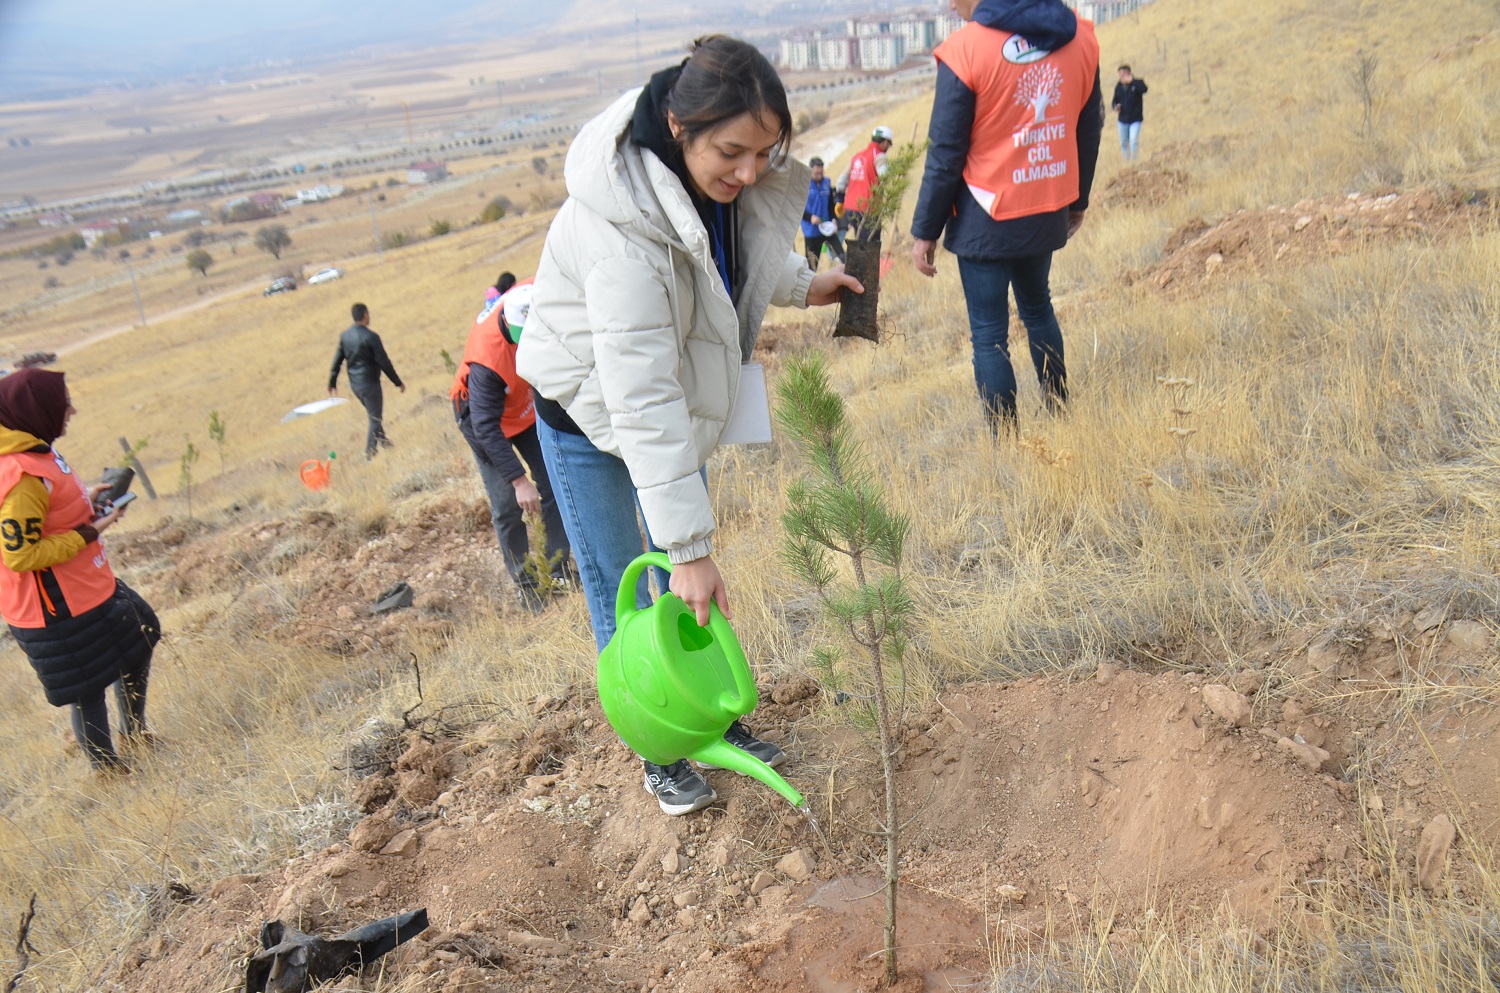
677	234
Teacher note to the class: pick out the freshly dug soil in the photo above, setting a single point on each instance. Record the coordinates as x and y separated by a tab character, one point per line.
858	311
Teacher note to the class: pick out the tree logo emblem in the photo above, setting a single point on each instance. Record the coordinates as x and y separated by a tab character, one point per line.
1040	87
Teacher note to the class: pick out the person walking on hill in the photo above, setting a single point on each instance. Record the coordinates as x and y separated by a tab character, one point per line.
819	227
497	417
677	234
859	181
365	353
1129	100
1015	129
81	628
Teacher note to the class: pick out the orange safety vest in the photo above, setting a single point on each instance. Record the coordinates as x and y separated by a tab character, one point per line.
491	347
67	589
1023	150
862	179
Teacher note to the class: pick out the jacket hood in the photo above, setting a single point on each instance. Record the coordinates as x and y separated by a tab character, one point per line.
13	441
1047	24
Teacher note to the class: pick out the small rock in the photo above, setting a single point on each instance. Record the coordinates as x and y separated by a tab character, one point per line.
640	913
1302	222
1212	264
373	833
671	863
1247	683
687	898
1428	618
773	896
446	799
1468	636
1310	757
760	882
229	884
1324	656
1011	894
1432	851
1231	706
536	943
795	690
403	844
797	865
1106	672
718	855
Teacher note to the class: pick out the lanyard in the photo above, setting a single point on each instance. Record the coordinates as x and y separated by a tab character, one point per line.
721	258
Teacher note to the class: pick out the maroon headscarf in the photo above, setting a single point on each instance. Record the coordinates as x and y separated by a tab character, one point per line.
34	401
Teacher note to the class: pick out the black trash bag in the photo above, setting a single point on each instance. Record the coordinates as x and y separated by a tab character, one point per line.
294	962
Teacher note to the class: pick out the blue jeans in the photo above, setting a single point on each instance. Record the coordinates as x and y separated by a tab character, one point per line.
986	282
1130	140
599	513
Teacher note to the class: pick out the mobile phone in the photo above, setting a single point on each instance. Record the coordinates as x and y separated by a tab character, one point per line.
119	481
106	507
122	501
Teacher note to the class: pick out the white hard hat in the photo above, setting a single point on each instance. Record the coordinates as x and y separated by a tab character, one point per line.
518	304
883	133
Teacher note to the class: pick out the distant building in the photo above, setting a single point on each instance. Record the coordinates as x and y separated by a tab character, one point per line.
426	172
838	52
859	26
800	52
879	52
1103	11
943	25
322	191
93	232
916	31
186	216
271	203
55	219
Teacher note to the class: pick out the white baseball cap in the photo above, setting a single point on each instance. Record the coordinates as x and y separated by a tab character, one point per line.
883	133
518	305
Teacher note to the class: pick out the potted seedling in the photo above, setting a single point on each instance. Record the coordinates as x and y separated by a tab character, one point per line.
858	311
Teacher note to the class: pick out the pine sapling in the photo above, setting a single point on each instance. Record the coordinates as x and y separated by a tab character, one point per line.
840	511
185	473
216	425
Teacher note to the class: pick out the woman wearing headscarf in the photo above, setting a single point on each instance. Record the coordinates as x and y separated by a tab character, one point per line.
81	628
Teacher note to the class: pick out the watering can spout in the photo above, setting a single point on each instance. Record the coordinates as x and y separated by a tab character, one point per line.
721	753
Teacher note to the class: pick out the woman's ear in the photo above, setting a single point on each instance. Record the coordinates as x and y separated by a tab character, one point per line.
674	125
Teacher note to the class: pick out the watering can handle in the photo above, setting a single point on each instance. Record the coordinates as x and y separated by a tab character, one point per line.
744	684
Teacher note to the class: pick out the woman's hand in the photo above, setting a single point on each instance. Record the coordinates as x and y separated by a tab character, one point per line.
102	524
697	583
95	490
827	288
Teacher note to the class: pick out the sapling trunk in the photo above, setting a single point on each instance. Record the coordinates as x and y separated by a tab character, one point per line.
843	512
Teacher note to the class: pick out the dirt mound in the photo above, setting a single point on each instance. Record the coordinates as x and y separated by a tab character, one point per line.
1256	240
1143	186
544	864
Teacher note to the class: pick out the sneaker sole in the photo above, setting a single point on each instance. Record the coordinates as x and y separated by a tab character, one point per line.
678	809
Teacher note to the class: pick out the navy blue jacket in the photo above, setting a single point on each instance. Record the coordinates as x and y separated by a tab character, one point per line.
479	421
819	204
945	201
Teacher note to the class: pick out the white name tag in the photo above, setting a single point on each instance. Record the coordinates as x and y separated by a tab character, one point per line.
750	421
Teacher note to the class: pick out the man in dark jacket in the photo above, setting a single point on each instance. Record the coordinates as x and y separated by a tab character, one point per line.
1130	98
1015	137
363	350
818	225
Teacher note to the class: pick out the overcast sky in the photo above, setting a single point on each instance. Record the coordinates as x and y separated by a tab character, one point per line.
51	44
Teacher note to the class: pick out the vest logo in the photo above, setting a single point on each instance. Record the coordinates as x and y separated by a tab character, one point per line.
1040	87
62	463
1020	52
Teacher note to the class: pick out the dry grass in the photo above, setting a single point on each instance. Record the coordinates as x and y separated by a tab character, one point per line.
1342	464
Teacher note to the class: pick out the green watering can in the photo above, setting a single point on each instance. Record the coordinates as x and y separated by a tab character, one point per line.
670	688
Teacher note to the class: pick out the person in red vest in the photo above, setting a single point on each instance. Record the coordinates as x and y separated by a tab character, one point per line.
860	179
497	417
80	627
1015	133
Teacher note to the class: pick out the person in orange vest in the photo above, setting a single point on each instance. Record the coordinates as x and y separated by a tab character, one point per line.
80	627
1015	129
858	181
497	416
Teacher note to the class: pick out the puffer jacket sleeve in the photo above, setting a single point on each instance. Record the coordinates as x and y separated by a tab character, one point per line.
636	355
796	279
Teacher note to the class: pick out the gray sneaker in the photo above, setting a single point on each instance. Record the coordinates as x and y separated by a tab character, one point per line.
678	788
740	737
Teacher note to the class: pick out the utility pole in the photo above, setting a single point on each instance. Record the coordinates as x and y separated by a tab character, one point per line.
379	255
137	291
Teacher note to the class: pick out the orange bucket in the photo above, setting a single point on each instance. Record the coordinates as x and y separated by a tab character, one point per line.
316	475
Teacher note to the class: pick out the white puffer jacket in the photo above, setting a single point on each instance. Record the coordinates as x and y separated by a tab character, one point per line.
631	330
